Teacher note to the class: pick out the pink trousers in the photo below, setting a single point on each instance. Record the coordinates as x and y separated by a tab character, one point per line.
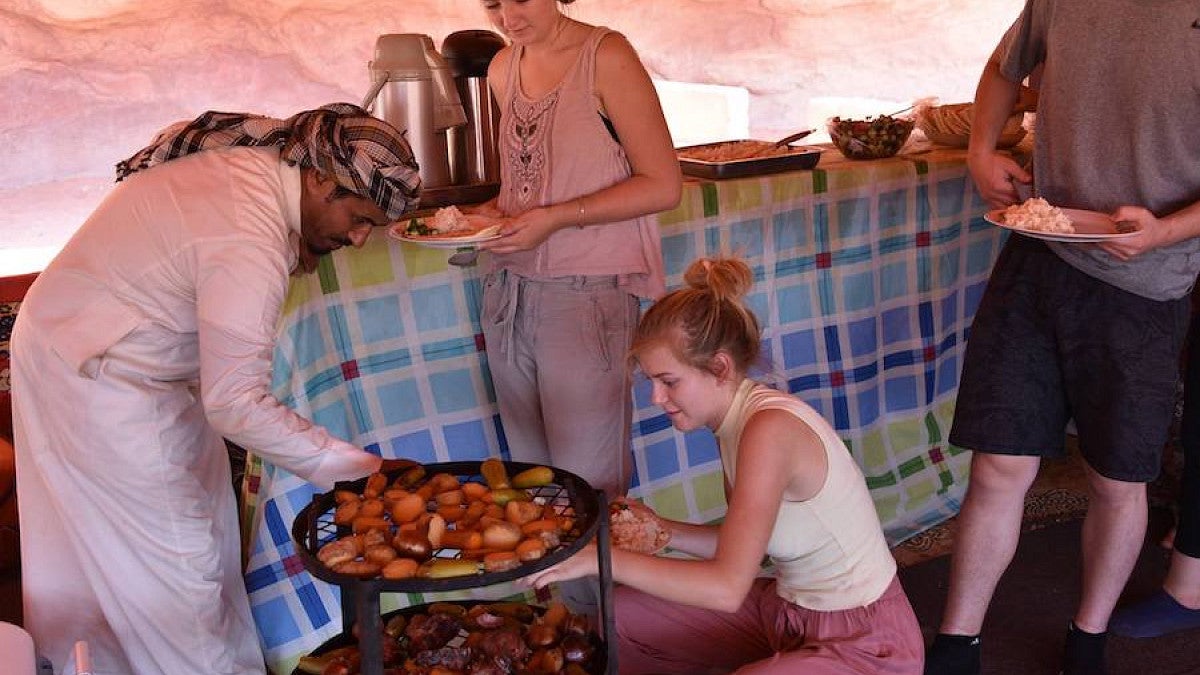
768	635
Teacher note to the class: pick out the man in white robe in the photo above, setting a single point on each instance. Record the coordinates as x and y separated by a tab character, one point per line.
147	340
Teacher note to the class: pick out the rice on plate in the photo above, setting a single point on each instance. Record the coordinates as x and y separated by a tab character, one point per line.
1038	215
451	223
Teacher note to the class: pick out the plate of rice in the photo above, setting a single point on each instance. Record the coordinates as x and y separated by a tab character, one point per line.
633	527
1037	218
447	228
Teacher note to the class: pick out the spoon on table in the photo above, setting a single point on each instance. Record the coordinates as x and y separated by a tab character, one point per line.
793	138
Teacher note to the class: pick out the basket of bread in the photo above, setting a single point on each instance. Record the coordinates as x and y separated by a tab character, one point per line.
951	125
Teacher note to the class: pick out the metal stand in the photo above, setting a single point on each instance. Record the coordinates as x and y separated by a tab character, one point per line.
365	604
604	552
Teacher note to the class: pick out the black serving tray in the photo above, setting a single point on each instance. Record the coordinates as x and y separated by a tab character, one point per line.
314	527
801	158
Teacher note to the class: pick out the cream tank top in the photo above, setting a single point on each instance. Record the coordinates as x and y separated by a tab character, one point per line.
829	551
554	149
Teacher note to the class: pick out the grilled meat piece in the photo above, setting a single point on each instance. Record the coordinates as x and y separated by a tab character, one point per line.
502	643
452	658
491	667
431	631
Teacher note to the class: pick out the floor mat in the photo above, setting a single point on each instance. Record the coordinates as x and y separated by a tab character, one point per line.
1027	620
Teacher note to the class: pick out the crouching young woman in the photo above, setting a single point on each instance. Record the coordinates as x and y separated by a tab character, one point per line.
795	494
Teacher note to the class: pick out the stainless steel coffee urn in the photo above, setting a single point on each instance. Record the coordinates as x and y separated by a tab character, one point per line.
414	90
474	154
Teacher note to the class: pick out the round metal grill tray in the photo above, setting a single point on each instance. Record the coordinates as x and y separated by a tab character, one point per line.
598	663
314	527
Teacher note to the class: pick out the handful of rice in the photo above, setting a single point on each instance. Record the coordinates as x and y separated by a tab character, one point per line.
1038	215
634	527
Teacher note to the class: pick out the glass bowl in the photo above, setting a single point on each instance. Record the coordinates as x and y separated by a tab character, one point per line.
871	137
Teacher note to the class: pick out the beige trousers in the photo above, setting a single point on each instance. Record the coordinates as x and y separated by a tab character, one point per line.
557	354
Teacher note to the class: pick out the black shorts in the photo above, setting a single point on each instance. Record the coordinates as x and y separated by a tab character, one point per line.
1050	343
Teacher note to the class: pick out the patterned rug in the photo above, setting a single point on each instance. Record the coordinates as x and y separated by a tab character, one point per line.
9	543
8	316
1058	495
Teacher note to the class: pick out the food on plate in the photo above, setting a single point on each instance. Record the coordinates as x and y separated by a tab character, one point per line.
502	535
501	561
870	138
634	527
734	150
538	475
415	545
1038	215
445	568
380	554
494	473
530	549
342	657
450	223
400	568
340	551
423	519
363	569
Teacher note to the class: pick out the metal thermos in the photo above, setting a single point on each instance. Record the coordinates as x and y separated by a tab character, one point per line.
474	150
415	92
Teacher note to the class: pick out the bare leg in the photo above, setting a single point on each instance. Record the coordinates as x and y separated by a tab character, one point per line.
989	526
1112	539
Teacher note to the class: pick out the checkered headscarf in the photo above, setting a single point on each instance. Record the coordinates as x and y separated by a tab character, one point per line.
364	154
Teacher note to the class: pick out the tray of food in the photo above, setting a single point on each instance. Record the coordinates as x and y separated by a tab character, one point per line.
448	526
487	638
736	159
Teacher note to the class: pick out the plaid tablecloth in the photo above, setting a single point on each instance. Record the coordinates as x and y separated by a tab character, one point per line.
867	276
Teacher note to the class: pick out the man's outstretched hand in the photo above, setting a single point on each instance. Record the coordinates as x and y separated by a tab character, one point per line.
390	465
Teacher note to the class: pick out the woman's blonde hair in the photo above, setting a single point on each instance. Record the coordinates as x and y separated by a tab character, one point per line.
707	316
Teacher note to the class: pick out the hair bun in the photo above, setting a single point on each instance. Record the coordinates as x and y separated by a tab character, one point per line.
725	278
706	317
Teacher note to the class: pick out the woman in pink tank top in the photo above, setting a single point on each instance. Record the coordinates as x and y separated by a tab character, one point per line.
586	158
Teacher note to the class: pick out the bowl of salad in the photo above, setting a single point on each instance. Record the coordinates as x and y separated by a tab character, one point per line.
870	137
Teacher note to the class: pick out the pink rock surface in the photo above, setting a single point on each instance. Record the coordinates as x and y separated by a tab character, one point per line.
85	83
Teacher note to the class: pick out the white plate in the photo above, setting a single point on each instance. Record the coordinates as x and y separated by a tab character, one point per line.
1090	227
396	231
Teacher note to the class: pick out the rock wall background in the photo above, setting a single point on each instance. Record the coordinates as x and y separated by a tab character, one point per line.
85	83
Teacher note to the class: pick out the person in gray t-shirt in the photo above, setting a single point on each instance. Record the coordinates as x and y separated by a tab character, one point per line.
1089	332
